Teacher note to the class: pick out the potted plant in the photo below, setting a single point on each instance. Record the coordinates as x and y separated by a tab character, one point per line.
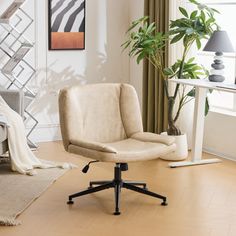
145	42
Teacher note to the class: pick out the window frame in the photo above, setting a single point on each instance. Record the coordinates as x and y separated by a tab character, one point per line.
201	53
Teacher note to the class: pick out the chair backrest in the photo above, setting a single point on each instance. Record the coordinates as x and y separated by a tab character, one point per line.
99	112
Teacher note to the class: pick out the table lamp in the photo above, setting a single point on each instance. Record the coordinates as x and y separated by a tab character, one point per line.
219	42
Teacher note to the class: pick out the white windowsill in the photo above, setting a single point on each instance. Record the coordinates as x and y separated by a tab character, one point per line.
222	111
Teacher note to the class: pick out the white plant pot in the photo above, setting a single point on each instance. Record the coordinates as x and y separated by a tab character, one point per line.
181	151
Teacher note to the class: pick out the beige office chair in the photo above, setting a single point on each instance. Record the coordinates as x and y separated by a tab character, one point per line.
103	122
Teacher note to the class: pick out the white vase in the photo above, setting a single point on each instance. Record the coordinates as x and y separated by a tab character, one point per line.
181	151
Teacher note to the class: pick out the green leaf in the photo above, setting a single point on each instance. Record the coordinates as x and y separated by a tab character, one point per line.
199	73
183	11
177	38
215	10
210	21
198	42
194	2
141	57
186	40
191	93
168	71
203	16
151	27
193	15
137	22
189	31
148	41
207	107
125	45
196	67
175	67
191	60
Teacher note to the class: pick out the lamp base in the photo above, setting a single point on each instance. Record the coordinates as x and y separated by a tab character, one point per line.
216	78
217	68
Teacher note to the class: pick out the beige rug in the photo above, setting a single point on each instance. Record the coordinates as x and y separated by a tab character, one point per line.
17	191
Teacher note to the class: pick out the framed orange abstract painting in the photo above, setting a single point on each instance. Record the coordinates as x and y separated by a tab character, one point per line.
66	24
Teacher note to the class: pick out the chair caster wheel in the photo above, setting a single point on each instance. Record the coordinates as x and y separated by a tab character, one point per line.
117	213
70	202
164	204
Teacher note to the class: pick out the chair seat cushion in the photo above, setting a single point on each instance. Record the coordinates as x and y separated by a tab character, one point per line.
127	150
153	138
94	146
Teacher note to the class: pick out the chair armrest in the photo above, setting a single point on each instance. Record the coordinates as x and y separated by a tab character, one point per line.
94	146
15	100
153	138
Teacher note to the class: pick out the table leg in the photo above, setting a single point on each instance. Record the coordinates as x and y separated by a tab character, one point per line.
198	131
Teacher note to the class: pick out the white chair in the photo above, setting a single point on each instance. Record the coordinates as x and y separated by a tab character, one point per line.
103	122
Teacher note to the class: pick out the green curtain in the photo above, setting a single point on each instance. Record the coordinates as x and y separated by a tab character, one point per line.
154	100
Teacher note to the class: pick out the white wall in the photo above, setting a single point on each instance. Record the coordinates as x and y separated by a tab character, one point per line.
101	61
220	135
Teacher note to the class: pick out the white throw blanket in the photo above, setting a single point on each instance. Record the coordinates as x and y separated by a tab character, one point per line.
22	158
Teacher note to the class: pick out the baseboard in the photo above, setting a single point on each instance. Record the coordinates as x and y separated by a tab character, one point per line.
219	154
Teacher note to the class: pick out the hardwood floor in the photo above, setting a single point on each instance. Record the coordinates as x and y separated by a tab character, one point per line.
202	201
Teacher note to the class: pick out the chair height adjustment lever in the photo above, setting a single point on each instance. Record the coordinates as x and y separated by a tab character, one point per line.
86	168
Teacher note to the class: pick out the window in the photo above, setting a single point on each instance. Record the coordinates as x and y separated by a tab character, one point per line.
226	20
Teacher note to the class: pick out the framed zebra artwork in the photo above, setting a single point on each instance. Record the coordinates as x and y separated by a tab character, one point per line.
66	24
